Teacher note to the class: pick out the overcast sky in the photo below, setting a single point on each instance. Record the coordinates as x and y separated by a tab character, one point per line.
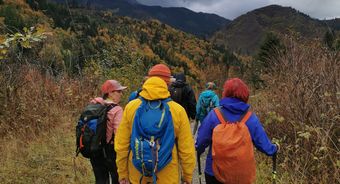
230	9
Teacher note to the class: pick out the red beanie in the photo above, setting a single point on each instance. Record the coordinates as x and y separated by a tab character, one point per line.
236	88
162	71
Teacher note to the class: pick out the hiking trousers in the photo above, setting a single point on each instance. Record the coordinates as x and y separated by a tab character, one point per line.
211	179
102	173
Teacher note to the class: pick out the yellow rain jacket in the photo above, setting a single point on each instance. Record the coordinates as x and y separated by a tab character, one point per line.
184	158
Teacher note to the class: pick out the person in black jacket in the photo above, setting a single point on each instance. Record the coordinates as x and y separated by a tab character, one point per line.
183	94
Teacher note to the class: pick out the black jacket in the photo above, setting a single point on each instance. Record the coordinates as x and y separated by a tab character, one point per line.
183	94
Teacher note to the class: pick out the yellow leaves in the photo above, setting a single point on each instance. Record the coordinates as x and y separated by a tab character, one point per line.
107	14
2	20
25	40
327	94
3	53
103	35
273	117
148	52
305	135
2	39
26	44
3	48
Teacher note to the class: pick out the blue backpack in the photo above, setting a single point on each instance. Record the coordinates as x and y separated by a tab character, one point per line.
152	138
207	104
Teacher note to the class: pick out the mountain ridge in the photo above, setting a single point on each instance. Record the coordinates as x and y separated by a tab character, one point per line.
200	24
246	32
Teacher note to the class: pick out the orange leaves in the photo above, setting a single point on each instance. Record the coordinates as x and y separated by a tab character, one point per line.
103	34
148	52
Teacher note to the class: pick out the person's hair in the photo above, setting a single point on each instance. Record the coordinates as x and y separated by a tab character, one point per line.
236	88
105	96
210	85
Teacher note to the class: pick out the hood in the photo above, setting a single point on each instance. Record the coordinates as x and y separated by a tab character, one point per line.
178	84
234	105
208	94
154	88
180	77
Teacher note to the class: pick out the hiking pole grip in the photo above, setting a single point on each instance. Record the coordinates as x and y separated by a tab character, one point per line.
199	166
274	168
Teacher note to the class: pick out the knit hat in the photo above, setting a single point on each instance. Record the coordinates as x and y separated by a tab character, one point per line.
112	85
162	71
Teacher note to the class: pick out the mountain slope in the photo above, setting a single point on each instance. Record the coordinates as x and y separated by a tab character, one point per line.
247	31
199	24
333	23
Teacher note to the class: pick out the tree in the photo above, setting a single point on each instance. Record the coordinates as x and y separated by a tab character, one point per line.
229	59
268	52
13	19
329	38
263	62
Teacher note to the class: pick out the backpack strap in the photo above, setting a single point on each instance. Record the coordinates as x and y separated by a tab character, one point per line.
221	117
110	106
246	117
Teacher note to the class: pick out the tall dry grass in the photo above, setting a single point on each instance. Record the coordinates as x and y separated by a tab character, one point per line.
38	113
301	108
28	99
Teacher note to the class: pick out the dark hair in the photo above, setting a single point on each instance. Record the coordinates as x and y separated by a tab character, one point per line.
210	85
105	96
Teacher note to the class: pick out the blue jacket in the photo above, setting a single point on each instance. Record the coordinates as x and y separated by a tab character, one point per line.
205	94
232	109
134	95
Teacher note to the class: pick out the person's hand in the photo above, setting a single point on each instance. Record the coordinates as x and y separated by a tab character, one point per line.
277	146
124	181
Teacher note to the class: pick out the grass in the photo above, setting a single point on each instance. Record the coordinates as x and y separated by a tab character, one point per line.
50	159
47	159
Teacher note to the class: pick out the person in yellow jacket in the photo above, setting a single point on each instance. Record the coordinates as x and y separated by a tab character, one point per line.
183	153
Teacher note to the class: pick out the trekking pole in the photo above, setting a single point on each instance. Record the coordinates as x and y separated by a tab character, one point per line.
199	167
195	127
75	169
274	168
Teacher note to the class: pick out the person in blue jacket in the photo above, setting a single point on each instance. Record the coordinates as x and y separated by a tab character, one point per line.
233	105
207	101
135	94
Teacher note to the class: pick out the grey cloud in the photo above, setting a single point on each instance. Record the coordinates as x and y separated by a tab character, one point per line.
228	8
320	9
233	8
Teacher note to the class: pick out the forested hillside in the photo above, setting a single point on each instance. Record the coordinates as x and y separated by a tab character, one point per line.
246	33
200	24
53	59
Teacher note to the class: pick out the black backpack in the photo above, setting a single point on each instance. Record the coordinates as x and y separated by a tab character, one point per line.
91	130
176	94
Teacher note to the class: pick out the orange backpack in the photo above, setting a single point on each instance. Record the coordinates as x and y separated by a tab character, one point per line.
232	151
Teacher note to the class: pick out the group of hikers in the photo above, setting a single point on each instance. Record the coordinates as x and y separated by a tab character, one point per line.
151	141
